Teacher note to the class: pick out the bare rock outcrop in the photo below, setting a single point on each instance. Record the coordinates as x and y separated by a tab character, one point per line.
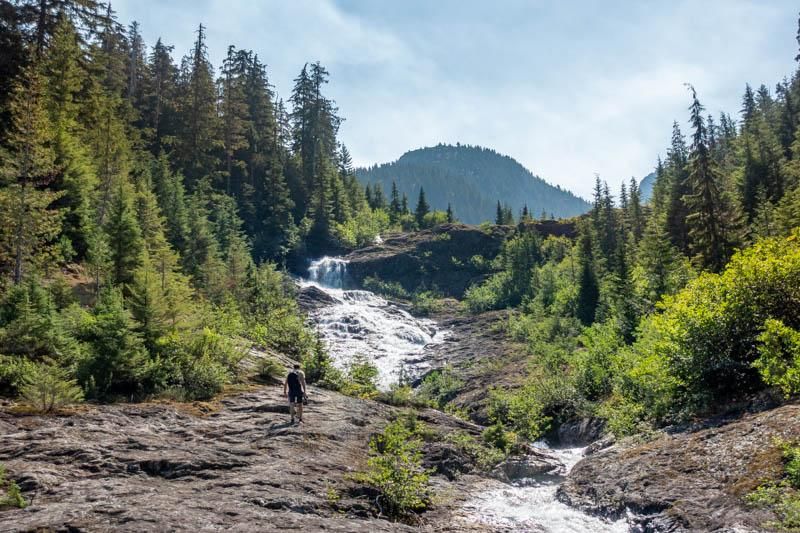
687	481
234	465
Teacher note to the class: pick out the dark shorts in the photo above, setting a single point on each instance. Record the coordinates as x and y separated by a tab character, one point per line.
295	397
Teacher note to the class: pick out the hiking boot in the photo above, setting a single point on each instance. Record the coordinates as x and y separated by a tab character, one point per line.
292	421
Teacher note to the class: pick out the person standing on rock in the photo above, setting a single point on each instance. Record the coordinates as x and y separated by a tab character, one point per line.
294	388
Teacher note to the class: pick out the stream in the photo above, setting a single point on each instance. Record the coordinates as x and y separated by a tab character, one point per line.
362	323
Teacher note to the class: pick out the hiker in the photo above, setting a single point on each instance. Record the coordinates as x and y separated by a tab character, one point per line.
294	388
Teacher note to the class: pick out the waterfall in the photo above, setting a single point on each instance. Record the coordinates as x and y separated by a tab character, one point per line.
328	272
362	323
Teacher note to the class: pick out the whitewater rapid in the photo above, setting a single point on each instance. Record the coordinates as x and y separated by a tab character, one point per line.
530	505
363	323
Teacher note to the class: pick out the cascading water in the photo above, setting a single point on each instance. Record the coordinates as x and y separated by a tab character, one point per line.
362	323
531	505
328	272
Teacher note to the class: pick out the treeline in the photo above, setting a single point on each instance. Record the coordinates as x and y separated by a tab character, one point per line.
473	179
161	196
664	310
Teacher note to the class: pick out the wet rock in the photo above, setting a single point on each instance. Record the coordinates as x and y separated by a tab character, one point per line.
532	465
580	432
686	481
310	298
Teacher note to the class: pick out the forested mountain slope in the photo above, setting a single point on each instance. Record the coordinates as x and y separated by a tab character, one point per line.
472	180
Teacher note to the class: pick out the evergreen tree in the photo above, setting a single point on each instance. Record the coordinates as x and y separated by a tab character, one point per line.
159	93
422	209
708	227
197	137
234	115
28	225
588	289
395	206
450	216
75	174
124	235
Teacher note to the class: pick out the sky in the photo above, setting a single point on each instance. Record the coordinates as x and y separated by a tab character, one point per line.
569	88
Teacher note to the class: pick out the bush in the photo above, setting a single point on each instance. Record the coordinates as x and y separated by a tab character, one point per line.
319	369
386	288
361	379
48	388
782	496
485	457
439	387
426	303
497	437
779	357
395	471
700	350
269	369
14	371
521	410
10	494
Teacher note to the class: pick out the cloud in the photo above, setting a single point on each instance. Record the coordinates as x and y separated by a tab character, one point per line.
567	88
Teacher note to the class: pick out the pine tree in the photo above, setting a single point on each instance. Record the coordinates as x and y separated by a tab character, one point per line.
588	289
450	216
158	106
234	116
395	206
198	133
124	235
28	225
708	227
171	197
499	217
75	175
676	171
422	209
634	211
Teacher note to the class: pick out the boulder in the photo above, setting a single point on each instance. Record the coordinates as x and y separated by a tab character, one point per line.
580	432
531	465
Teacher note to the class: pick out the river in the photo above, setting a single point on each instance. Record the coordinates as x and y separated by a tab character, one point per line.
361	322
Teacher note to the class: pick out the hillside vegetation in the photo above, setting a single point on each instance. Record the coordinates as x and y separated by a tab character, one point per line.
473	180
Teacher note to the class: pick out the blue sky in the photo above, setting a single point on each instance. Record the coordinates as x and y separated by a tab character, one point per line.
569	88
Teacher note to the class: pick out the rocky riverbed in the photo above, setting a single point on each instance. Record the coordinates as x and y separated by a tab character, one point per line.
692	480
234	465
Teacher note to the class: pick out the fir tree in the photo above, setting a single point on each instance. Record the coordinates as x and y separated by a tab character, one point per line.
708	228
422	209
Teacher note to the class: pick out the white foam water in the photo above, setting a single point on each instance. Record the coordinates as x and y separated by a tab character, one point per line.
531	505
363	323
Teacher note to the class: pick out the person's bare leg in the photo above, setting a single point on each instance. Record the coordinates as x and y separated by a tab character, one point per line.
300	411
291	409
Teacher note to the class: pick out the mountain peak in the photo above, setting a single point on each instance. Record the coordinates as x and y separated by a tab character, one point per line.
472	179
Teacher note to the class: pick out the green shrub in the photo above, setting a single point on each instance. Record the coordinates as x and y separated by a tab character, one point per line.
485	457
395	471
521	410
701	349
269	368
386	288
499	438
439	387
10	494
782	496
319	369
14	371
48	388
779	357
426	303
361	378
